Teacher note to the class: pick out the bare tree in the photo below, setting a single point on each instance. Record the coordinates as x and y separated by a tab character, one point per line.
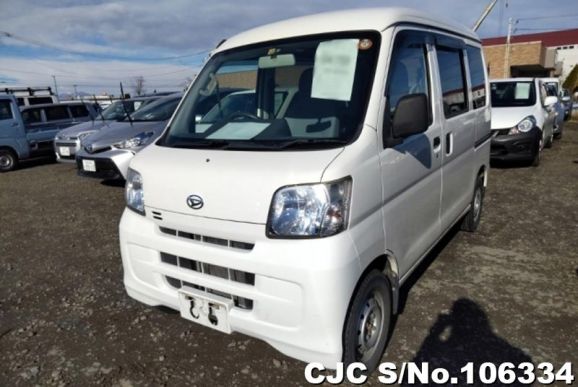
139	85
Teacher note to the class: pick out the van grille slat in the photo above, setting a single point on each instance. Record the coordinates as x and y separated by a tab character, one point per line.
209	269
206	239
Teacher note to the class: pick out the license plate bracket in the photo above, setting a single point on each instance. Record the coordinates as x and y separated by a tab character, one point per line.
206	309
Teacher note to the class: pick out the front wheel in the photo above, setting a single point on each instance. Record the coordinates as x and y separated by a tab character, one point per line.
368	321
8	160
471	221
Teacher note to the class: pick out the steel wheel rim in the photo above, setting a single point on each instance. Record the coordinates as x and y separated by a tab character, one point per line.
370	326
5	161
477	203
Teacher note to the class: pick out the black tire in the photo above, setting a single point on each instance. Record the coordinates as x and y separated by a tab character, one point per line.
550	141
368	321
538	156
558	135
8	160
471	221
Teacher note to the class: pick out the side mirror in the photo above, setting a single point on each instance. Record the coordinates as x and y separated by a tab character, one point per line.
550	100
411	116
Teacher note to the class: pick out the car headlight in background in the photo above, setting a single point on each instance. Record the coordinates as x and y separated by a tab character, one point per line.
134	193
310	211
136	141
524	126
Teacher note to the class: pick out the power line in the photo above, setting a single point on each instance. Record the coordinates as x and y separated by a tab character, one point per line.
155	75
546	17
95	55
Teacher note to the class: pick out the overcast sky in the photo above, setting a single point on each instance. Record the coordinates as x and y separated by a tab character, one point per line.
95	44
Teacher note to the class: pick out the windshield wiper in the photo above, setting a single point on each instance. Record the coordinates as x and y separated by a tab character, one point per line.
312	143
213	144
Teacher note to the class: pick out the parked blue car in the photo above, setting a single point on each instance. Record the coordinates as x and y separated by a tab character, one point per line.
30	133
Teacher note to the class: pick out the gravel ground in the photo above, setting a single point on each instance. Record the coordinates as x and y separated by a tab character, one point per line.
506	293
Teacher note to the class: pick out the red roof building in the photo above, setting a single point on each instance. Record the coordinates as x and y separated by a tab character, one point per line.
542	54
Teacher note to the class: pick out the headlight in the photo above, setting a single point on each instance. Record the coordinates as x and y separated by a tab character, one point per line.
138	140
524	126
310	211
134	193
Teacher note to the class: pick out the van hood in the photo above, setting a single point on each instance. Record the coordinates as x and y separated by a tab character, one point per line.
508	117
234	185
75	130
122	130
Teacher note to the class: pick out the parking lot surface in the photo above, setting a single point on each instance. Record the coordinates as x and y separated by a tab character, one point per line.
506	293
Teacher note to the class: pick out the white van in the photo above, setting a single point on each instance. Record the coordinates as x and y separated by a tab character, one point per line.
298	226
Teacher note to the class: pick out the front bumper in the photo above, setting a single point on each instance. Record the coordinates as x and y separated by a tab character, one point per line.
296	302
523	146
111	164
66	150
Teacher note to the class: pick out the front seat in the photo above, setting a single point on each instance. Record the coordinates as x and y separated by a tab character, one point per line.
312	117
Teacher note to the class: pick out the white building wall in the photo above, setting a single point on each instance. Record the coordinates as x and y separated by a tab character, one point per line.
568	55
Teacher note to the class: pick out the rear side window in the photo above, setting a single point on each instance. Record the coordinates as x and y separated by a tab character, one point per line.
31	116
408	69
5	111
78	110
450	62
477	76
56	113
39	100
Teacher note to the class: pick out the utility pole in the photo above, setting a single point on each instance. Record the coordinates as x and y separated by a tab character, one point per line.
507	55
55	87
75	92
485	14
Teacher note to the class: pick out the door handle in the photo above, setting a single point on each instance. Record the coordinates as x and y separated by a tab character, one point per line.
14	124
437	144
449	143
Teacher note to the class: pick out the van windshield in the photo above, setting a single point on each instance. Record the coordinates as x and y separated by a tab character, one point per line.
513	94
296	93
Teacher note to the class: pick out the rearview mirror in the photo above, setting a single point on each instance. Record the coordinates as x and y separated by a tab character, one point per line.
283	60
411	116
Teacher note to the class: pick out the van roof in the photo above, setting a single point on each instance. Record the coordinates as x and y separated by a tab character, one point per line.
348	20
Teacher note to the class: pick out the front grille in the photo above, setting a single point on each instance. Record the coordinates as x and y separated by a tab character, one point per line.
209	269
91	150
105	169
206	239
240	302
66	143
502	132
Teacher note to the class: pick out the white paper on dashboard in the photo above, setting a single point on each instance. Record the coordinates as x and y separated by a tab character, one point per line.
522	90
238	131
334	69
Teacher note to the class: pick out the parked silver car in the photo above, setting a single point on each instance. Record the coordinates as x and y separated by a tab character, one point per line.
554	89
107	153
68	141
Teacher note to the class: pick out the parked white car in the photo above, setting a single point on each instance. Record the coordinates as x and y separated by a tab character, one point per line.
523	119
299	227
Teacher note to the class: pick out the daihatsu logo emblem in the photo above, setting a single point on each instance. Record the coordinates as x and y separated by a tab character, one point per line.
195	202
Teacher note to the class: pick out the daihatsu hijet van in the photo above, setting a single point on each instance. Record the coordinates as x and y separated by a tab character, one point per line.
299	225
